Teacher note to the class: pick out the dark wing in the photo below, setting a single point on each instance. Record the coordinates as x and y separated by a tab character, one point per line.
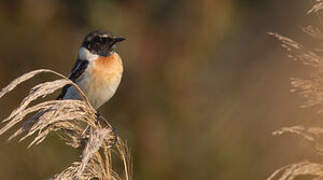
77	71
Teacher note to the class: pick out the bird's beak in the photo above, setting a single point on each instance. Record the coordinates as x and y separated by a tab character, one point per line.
118	39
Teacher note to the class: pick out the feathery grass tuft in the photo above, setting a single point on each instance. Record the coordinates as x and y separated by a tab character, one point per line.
75	121
311	90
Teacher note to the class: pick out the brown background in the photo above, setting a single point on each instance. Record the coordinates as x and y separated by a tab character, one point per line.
204	85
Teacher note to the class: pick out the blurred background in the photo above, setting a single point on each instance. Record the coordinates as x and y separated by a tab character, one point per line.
203	88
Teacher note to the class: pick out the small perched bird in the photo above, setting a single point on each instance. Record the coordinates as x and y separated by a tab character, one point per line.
97	70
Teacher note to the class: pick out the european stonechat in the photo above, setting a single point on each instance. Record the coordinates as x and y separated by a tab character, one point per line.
97	70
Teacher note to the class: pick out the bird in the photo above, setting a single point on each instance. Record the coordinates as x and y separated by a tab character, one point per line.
98	69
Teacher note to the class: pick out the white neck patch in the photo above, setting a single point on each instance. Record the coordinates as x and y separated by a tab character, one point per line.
85	54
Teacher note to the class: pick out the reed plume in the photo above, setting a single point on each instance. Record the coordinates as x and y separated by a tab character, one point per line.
311	89
75	121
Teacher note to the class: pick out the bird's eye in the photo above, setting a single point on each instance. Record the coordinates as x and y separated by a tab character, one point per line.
96	39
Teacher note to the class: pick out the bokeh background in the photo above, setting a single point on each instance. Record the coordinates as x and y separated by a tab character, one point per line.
204	85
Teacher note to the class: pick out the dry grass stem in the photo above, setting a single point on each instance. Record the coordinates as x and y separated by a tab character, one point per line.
75	121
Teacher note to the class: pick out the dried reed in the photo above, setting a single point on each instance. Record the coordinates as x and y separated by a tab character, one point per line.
312	91
76	122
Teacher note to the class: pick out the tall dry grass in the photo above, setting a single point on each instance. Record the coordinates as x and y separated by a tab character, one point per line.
76	122
311	89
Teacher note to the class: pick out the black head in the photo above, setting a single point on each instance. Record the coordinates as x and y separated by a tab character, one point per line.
100	42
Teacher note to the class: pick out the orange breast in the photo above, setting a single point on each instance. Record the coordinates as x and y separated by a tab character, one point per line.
106	70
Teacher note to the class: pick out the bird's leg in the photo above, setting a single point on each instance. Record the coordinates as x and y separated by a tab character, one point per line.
98	117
